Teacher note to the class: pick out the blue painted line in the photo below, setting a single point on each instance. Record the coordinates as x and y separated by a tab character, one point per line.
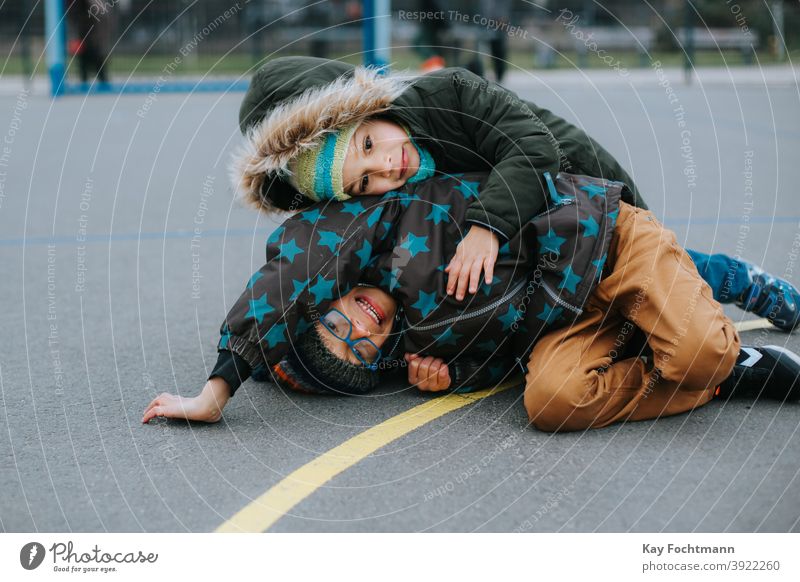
129	236
139	87
688	221
264	230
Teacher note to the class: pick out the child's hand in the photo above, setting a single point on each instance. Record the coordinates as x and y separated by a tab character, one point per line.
428	374
477	251
206	406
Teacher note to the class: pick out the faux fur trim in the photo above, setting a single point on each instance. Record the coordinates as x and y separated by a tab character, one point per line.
298	124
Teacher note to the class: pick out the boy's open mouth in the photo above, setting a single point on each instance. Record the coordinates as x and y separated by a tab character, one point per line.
370	309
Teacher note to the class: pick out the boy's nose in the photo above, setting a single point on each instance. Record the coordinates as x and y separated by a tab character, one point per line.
359	330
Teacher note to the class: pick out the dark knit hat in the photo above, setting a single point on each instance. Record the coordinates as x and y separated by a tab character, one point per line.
311	367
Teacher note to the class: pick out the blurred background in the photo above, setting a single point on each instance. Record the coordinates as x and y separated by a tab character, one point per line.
118	40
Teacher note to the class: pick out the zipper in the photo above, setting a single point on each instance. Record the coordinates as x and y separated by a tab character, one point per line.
470	315
505	298
560	301
564	202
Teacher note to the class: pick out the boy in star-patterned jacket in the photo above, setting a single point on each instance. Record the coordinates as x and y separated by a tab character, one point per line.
571	288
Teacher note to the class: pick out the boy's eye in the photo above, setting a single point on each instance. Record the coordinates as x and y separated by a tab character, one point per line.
367	143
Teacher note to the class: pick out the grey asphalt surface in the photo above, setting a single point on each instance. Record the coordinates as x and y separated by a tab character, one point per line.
94	330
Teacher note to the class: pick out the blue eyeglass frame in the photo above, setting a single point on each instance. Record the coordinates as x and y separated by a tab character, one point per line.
350	342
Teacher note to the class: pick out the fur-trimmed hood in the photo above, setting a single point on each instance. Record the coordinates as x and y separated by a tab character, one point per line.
299	121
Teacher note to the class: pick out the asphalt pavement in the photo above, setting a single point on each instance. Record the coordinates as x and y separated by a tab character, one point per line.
121	250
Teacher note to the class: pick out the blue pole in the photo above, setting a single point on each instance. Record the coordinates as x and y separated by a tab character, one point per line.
56	38
377	27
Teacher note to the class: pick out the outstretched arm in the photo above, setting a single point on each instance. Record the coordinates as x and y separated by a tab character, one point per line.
206	406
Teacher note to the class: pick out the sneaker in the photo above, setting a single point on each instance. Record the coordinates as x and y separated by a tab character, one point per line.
773	298
769	372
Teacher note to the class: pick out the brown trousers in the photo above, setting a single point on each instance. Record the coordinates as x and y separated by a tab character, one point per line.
578	377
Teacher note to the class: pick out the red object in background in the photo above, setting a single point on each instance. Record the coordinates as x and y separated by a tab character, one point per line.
75	46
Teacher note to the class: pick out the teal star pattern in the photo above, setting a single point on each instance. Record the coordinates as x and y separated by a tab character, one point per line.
448	338
275	235
299	286
594	190
374	216
570	279
511	316
354	208
225	337
426	302
276	335
389	279
488	346
613	216
549	314
386	229
439	213
599	264
259	308
364	254
302	326
451	176
468	189
404	197
504	250
328	238
322	289
290	250
551	242
415	244
256	276
312	216
590	227
487	288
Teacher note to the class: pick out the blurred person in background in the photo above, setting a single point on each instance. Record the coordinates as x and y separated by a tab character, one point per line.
90	21
497	11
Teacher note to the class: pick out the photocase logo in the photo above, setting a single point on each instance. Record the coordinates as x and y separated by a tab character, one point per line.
31	555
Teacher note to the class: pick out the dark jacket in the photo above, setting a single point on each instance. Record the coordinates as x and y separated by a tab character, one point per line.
466	122
401	242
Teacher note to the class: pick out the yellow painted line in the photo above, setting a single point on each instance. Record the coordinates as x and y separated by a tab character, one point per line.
263	512
752	324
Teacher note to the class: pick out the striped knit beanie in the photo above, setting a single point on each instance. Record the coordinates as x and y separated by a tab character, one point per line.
317	172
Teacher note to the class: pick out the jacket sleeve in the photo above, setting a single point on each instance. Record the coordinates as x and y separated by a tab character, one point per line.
470	374
311	259
521	148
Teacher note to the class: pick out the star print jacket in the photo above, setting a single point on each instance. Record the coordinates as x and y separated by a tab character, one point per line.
466	123
402	242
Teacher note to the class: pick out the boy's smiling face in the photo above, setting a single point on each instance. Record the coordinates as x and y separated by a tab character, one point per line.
380	158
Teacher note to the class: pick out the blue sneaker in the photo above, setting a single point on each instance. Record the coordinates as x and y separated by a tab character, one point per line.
773	298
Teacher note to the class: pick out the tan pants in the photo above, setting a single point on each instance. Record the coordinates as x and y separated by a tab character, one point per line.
577	376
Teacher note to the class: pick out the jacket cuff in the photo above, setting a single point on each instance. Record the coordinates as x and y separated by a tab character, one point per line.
232	368
494	223
485	224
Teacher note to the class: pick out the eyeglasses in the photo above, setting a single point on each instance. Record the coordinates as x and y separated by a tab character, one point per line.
341	327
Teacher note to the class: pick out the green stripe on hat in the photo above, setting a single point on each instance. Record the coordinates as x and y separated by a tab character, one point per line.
317	172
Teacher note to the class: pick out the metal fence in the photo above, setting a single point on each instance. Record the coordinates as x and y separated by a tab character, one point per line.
225	37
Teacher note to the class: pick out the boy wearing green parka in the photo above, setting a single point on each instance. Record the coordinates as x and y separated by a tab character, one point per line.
319	129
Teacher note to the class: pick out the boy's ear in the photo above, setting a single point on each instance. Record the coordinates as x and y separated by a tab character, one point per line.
279	194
